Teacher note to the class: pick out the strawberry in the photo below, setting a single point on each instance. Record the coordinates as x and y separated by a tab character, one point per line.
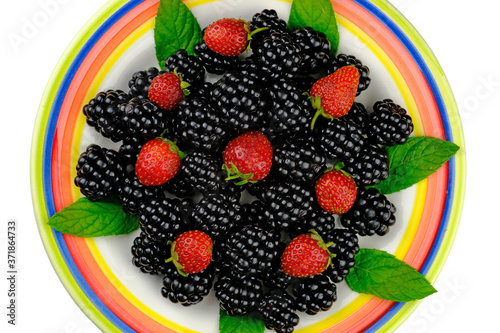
306	255
248	157
167	90
191	252
228	36
158	161
333	95
336	191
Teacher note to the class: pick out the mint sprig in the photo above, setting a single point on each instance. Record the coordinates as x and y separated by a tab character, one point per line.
381	274
248	323
415	160
175	28
85	218
317	14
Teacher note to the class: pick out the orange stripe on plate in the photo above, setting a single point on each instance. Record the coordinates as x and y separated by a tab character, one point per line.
74	100
62	177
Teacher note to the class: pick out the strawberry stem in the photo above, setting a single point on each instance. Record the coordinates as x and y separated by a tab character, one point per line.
184	85
173	147
162	135
234	173
250	35
180	268
321	243
175	259
316	115
328	169
256	31
339	166
316	103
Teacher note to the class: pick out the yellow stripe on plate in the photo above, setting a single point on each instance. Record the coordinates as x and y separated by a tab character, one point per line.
101	262
421	189
405	244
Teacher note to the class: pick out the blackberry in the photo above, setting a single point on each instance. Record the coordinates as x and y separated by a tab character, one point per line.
369	166
241	102
288	204
130	148
216	215
213	62
149	255
104	115
358	115
298	160
342	60
163	218
390	124
314	294
372	213
199	126
251	250
249	67
179	186
258	188
268	18
275	278
255	212
98	172
318	219
277	309
315	50
237	294
132	193
303	83
218	259
338	138
140	82
143	119
202	92
149	122
290	113
188	67
279	57
187	290
202	171
345	247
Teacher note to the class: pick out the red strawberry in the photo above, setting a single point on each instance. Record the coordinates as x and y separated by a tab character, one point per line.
158	161
333	95
227	36
167	90
191	252
306	255
336	191
248	157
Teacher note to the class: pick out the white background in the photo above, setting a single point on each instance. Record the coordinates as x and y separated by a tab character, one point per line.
462	34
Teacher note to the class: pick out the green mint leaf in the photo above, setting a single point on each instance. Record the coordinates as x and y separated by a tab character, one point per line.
381	274
317	14
85	218
415	160
175	28
240	324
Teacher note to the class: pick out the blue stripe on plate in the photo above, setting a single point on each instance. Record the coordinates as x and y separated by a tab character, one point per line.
412	49
47	163
376	12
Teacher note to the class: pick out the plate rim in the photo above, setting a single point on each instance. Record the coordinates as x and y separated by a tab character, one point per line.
37	184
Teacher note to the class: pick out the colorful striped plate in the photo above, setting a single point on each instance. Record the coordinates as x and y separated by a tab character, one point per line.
118	41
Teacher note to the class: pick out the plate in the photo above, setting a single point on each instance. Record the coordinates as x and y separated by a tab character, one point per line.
118	41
